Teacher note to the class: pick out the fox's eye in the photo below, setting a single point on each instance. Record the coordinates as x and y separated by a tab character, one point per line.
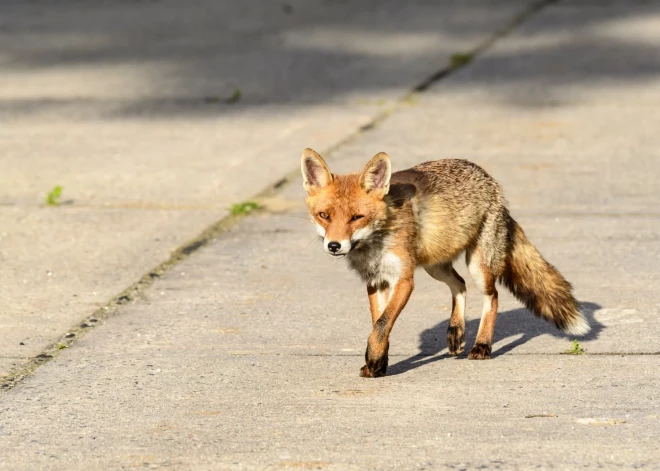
355	218
323	215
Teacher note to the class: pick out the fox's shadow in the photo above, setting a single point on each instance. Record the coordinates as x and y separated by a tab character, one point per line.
510	323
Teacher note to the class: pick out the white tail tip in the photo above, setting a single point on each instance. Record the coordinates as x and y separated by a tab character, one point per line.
579	327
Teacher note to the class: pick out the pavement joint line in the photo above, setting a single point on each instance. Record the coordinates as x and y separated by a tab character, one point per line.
112	206
594	214
459	357
17	374
446	355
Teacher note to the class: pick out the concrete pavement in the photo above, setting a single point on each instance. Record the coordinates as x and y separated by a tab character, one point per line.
246	354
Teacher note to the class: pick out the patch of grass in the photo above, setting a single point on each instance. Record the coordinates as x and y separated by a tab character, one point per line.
575	349
235	97
245	207
53	196
459	60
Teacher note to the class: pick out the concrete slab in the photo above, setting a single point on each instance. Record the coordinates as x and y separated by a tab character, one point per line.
59	265
125	106
190	406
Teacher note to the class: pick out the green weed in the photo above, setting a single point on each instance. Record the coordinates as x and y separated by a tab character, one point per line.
575	349
245	207
235	97
459	60
53	196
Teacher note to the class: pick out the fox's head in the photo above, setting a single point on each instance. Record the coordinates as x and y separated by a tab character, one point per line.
346	209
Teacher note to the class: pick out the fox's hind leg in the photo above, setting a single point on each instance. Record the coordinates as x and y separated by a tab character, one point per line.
484	278
456	332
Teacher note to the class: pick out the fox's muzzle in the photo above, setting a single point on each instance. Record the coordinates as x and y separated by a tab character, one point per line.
337	248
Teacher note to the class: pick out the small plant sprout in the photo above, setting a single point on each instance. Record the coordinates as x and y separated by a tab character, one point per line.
230	100
243	208
53	196
575	349
235	97
459	60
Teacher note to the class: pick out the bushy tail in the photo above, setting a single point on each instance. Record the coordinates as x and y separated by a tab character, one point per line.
539	286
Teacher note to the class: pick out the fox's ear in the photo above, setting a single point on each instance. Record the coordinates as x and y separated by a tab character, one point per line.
376	175
315	172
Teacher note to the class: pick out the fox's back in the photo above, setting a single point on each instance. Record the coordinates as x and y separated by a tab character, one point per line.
451	199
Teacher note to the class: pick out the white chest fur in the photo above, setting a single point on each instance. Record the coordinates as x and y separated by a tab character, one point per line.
377	268
389	270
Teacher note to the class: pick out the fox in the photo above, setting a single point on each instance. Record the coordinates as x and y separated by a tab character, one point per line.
388	224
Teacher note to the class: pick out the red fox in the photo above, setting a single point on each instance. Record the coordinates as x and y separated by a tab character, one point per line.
388	224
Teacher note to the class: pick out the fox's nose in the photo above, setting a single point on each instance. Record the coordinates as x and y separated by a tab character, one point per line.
334	246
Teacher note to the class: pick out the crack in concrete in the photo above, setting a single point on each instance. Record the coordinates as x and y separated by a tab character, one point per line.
441	355
594	214
110	206
216	230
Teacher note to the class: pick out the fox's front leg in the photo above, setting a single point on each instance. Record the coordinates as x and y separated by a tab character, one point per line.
378	298
378	345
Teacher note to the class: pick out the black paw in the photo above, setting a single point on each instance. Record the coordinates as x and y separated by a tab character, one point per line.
375	367
455	340
480	351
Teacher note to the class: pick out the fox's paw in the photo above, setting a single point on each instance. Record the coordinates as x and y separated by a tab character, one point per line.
480	351
455	340
374	368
